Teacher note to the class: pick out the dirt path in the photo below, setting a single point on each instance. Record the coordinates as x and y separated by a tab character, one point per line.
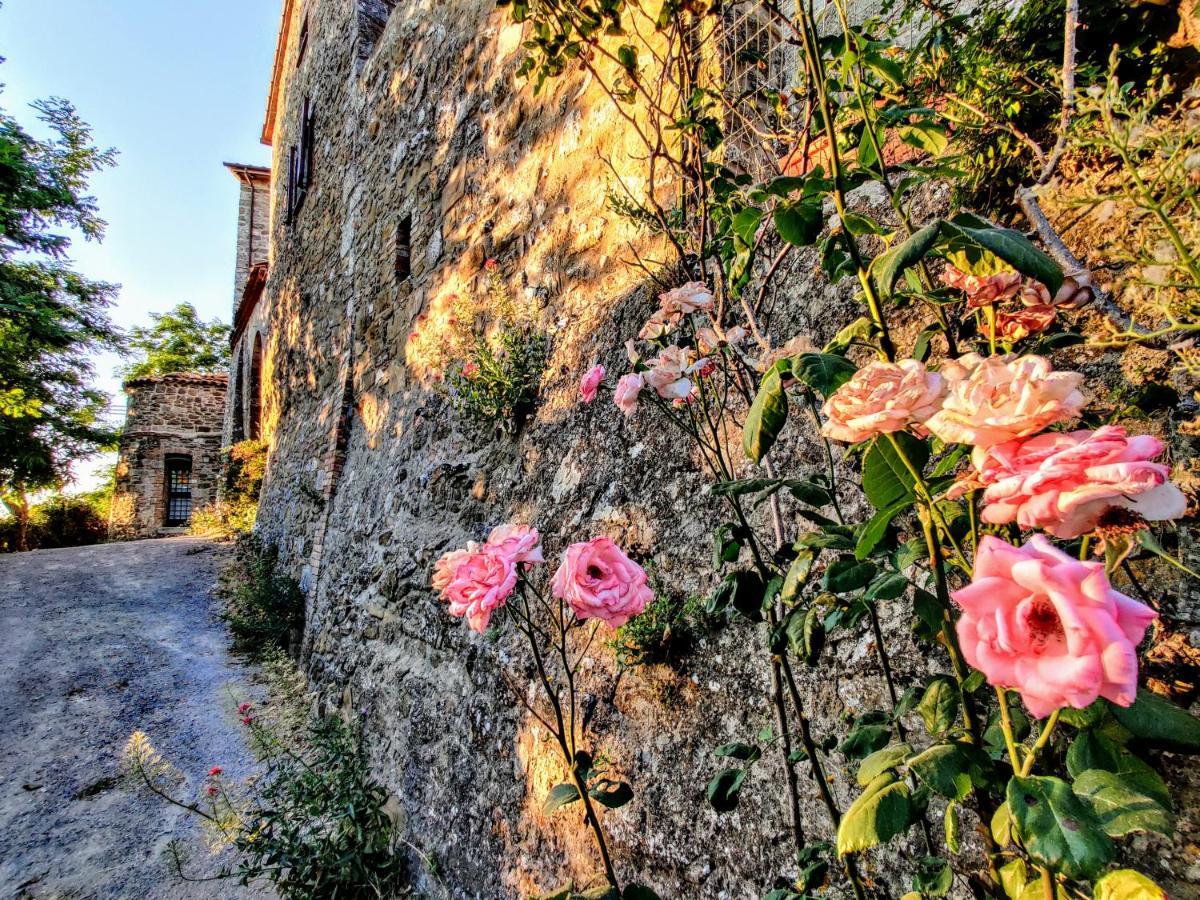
95	643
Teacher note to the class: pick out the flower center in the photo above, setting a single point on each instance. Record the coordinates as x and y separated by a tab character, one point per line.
1044	624
595	572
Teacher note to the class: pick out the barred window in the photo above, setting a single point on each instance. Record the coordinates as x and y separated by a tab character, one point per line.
300	162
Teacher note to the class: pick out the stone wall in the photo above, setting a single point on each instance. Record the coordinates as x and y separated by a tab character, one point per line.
167	415
372	475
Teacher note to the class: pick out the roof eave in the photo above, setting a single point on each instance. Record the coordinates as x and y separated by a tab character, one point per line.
285	28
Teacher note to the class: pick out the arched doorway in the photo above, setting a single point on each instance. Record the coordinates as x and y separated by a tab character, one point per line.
238	431
256	389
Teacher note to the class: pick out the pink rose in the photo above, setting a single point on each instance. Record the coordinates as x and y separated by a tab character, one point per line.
520	543
710	340
589	386
482	583
1049	626
982	290
687	299
210	791
669	372
999	398
882	398
1066	482
214	772
598	581
1021	323
243	708
444	568
627	391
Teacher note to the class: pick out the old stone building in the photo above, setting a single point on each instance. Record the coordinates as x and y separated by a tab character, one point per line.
405	154
243	411
169	460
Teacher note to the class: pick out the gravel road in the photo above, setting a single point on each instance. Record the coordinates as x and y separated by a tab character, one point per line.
95	643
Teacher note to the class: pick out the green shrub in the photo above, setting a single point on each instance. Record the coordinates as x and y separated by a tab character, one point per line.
666	630
313	824
245	466
263	607
498	384
59	522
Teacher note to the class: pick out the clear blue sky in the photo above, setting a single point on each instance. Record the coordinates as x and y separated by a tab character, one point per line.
177	88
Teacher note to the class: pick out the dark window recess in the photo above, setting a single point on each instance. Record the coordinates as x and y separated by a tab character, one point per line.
179	491
300	163
404	249
303	44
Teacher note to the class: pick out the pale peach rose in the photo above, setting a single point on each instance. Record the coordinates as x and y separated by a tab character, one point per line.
444	568
687	299
520	543
1024	321
882	398
992	400
589	386
1066	482
983	289
710	340
1073	295
1034	293
625	396
668	375
632	352
658	326
1049	626
598	581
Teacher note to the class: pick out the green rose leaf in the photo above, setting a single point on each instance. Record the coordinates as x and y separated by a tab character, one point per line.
1095	751
1120	807
613	794
823	372
799	223
1159	723
738	750
889	587
933	877
723	789
938	708
886	480
880	814
797	576
888	267
953	827
882	761
1056	828
766	417
847	574
873	532
865	740
560	795
1126	884
1009	245
945	769
1013	878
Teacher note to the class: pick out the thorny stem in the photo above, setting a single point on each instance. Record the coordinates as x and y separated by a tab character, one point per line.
818	769
1042	740
565	742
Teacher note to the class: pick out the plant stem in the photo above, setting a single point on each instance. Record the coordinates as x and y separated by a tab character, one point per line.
1010	741
1042	740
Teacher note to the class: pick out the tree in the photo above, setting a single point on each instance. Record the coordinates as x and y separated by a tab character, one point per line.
179	341
52	319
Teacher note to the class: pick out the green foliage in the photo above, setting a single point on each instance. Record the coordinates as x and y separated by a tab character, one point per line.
178	341
60	521
318	826
1056	828
499	382
263	607
666	629
52	319
245	467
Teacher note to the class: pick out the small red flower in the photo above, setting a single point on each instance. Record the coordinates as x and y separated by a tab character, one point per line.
246	720
490	265
214	771
244	708
211	790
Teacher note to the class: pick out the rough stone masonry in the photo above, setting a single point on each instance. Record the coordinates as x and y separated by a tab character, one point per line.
415	129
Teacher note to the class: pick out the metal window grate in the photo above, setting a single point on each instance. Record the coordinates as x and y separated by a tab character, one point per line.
179	491
756	63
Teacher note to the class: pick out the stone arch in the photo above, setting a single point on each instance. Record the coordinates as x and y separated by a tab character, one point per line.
256	388
237	432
